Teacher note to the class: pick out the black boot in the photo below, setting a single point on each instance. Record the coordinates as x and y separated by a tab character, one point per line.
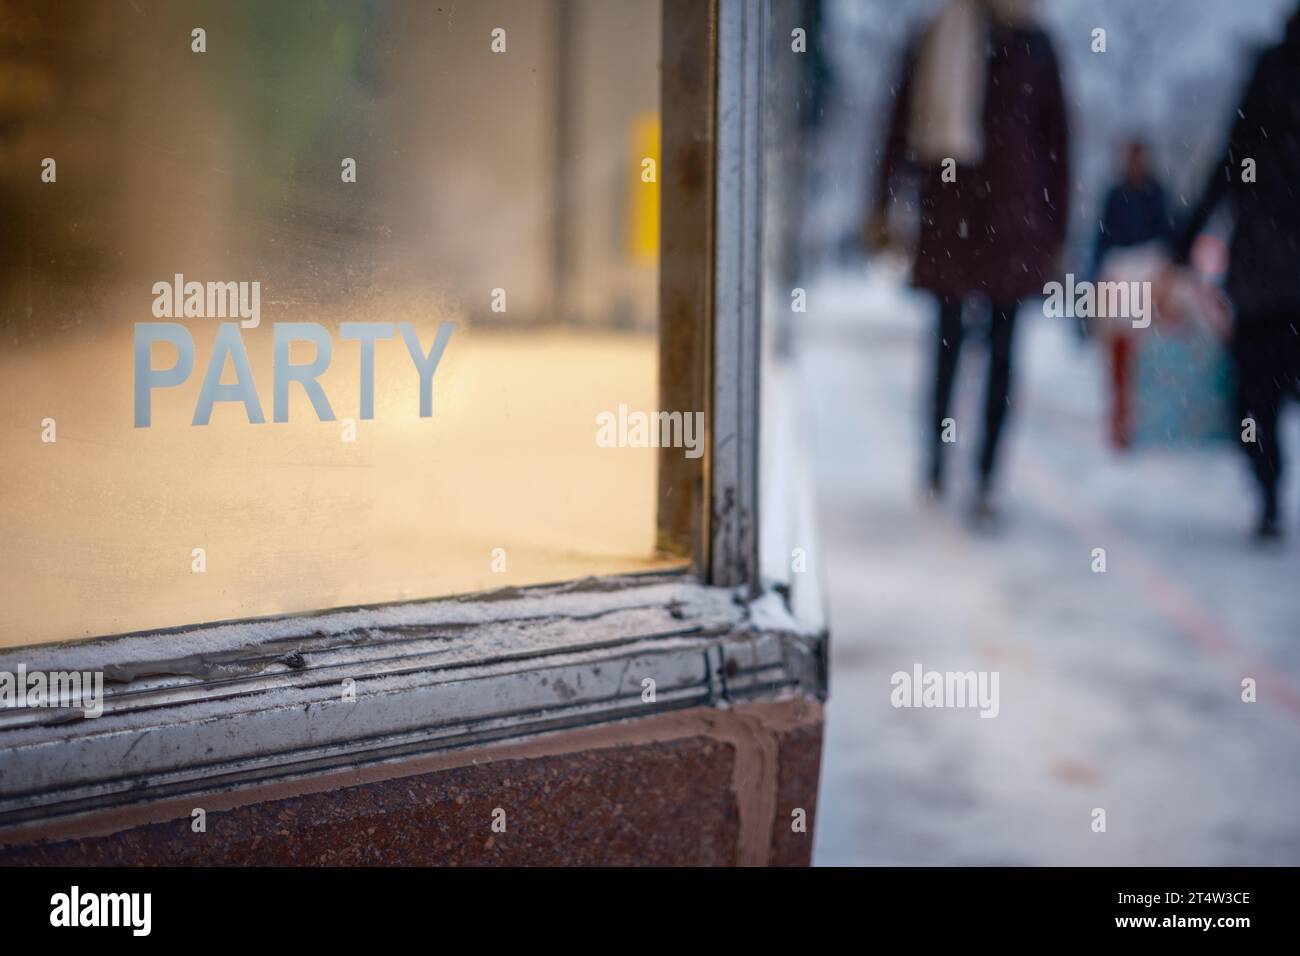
983	515
1269	527
934	478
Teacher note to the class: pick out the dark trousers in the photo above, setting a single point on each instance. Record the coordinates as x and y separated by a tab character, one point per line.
1266	360
997	392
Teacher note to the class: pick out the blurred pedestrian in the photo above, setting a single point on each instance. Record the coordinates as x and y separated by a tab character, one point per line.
1136	211
1258	176
1135	216
980	117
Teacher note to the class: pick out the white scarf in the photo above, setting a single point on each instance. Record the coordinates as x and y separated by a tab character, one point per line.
950	74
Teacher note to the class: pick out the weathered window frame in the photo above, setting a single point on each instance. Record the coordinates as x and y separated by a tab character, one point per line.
260	700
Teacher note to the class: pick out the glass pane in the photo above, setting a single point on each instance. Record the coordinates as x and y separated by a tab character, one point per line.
338	180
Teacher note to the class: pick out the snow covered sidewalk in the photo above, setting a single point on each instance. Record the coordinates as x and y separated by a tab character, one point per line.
1120	690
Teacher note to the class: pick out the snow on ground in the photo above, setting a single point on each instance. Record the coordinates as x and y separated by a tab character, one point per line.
1119	690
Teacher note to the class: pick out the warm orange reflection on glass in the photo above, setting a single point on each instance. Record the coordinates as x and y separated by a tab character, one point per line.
477	173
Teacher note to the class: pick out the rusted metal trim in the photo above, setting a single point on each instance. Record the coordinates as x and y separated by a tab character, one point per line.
686	265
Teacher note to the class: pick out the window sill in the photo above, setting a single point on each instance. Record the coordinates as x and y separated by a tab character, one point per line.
264	700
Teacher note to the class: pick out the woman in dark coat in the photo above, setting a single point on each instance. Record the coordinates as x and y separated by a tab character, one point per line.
1259	177
980	116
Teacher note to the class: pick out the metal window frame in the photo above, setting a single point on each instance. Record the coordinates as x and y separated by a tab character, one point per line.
262	699
737	294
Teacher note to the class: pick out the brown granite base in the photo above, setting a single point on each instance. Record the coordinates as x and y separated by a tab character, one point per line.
702	787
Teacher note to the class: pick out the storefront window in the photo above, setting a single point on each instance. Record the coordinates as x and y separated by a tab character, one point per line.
310	305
